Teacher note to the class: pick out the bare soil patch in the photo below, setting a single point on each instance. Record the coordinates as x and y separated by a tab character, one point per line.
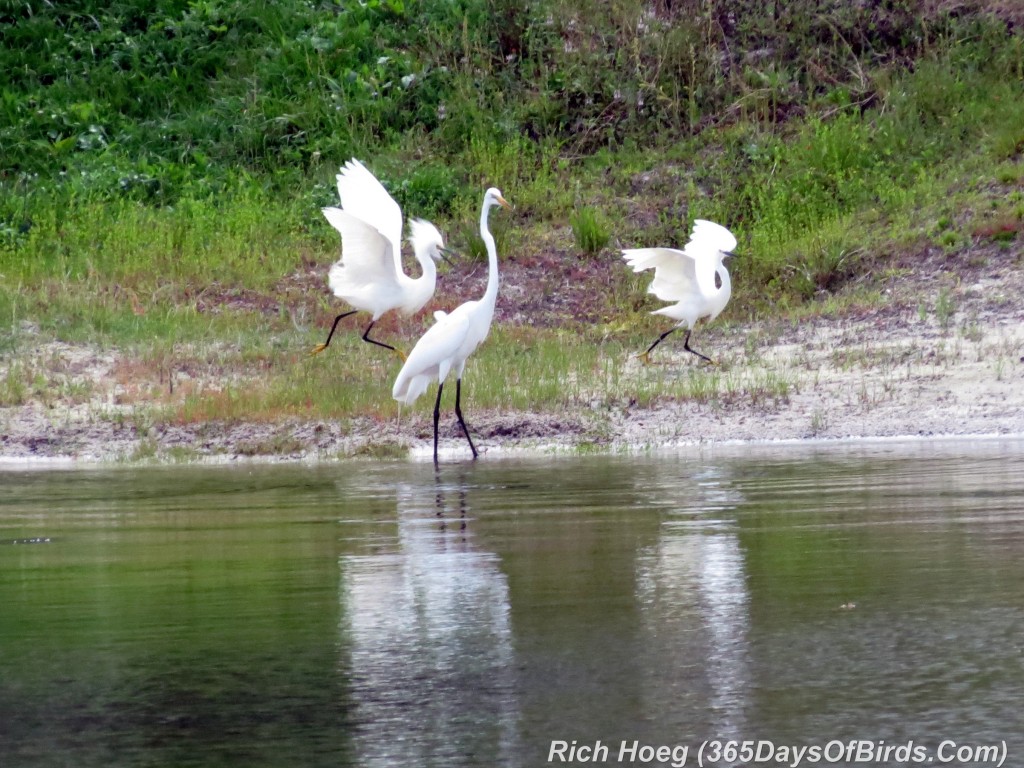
943	356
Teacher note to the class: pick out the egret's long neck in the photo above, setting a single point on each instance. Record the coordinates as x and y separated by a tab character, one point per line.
491	294
427	264
724	291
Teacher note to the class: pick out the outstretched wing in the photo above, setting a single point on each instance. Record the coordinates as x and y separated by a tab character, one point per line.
675	273
364	197
366	262
689	272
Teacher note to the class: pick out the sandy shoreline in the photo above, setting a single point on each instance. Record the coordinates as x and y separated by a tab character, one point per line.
898	368
884	374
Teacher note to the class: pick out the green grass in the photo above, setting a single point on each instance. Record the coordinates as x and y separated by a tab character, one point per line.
546	372
248	240
272	379
590	230
164	166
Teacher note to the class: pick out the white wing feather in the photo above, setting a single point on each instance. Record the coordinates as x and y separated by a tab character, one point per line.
681	274
366	274
675	272
364	197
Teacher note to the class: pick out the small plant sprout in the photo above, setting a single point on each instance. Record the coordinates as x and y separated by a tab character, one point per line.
589	230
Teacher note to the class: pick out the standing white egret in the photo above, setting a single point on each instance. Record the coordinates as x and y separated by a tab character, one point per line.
369	274
687	277
451	340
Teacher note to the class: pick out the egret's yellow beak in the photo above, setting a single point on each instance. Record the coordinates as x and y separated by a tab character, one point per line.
504	203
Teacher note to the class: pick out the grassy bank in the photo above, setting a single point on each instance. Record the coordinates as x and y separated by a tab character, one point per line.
164	164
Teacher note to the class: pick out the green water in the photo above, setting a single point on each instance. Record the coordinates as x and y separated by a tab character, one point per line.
387	614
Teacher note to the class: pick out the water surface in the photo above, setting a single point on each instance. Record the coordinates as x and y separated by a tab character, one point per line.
386	614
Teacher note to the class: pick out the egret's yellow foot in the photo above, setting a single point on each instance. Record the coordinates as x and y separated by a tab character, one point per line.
318	349
401	354
645	358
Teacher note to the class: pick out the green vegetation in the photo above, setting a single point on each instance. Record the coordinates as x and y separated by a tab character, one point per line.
590	231
164	162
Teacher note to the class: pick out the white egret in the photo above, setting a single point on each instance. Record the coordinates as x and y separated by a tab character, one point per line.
369	274
688	277
451	340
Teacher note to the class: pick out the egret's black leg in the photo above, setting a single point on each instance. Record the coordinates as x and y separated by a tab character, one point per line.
437	416
458	413
321	347
646	356
366	337
686	346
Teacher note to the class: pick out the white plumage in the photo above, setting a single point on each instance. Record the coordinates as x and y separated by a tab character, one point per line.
688	278
447	344
369	275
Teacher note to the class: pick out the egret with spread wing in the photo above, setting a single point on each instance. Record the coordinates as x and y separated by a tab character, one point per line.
688	278
369	274
452	339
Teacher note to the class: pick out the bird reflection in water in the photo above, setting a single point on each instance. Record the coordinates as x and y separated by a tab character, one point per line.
428	637
441	495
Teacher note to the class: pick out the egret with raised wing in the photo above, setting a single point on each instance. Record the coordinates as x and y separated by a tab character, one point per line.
695	278
369	275
452	339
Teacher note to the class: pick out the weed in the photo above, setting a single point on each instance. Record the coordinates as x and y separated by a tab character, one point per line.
769	388
1010	174
14	385
949	241
181	454
972	330
945	307
825	268
145	450
429	191
383	449
590	230
819	421
278	444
